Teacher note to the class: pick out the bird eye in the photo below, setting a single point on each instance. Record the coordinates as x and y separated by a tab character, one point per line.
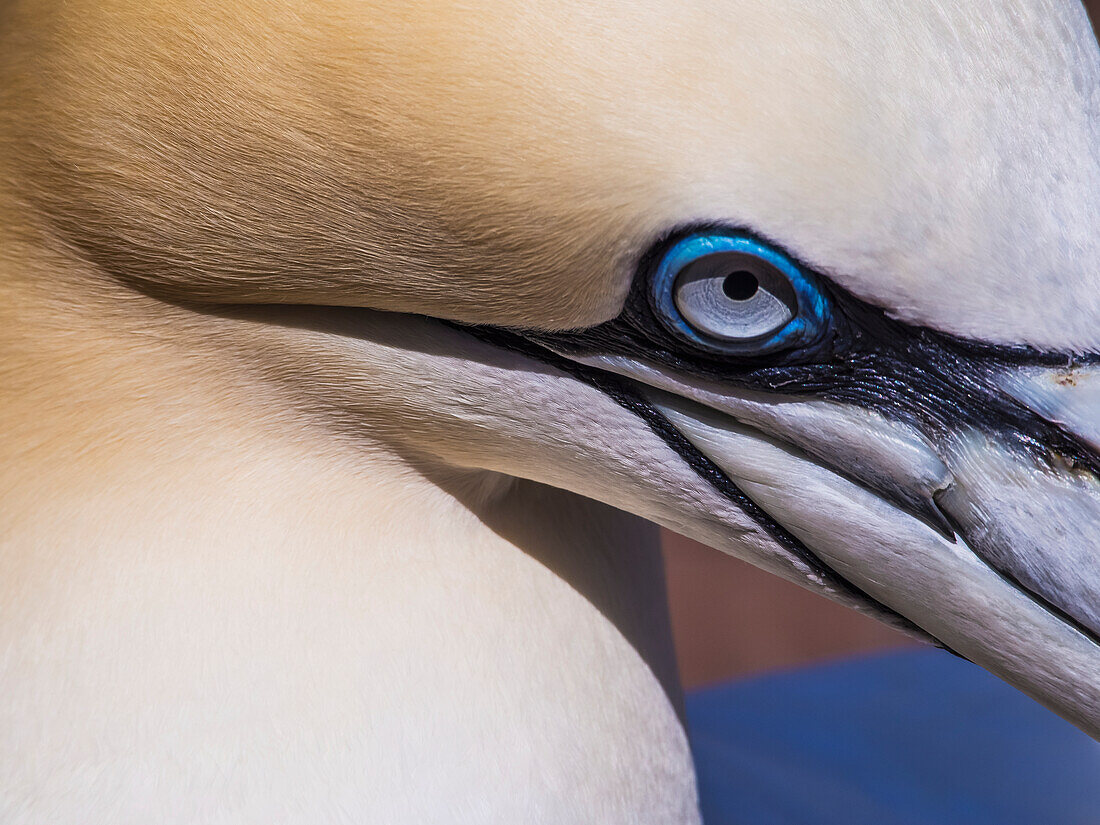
736	295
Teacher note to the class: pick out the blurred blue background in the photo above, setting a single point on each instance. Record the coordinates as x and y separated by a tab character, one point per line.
909	738
804	712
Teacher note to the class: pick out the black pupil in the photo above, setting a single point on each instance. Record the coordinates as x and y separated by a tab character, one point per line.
740	285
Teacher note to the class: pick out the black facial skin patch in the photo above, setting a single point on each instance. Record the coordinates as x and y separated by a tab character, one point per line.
933	382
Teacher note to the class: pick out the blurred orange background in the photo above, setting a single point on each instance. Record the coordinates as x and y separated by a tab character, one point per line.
730	619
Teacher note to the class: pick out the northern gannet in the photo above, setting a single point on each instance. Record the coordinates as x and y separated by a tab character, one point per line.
340	339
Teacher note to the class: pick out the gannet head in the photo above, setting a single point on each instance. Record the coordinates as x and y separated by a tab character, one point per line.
818	284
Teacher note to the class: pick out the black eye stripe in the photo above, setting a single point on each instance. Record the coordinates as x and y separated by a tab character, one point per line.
939	384
931	380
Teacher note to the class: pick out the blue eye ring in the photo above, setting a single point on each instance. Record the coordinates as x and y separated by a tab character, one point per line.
810	313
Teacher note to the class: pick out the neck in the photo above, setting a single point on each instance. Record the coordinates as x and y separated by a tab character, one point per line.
206	588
